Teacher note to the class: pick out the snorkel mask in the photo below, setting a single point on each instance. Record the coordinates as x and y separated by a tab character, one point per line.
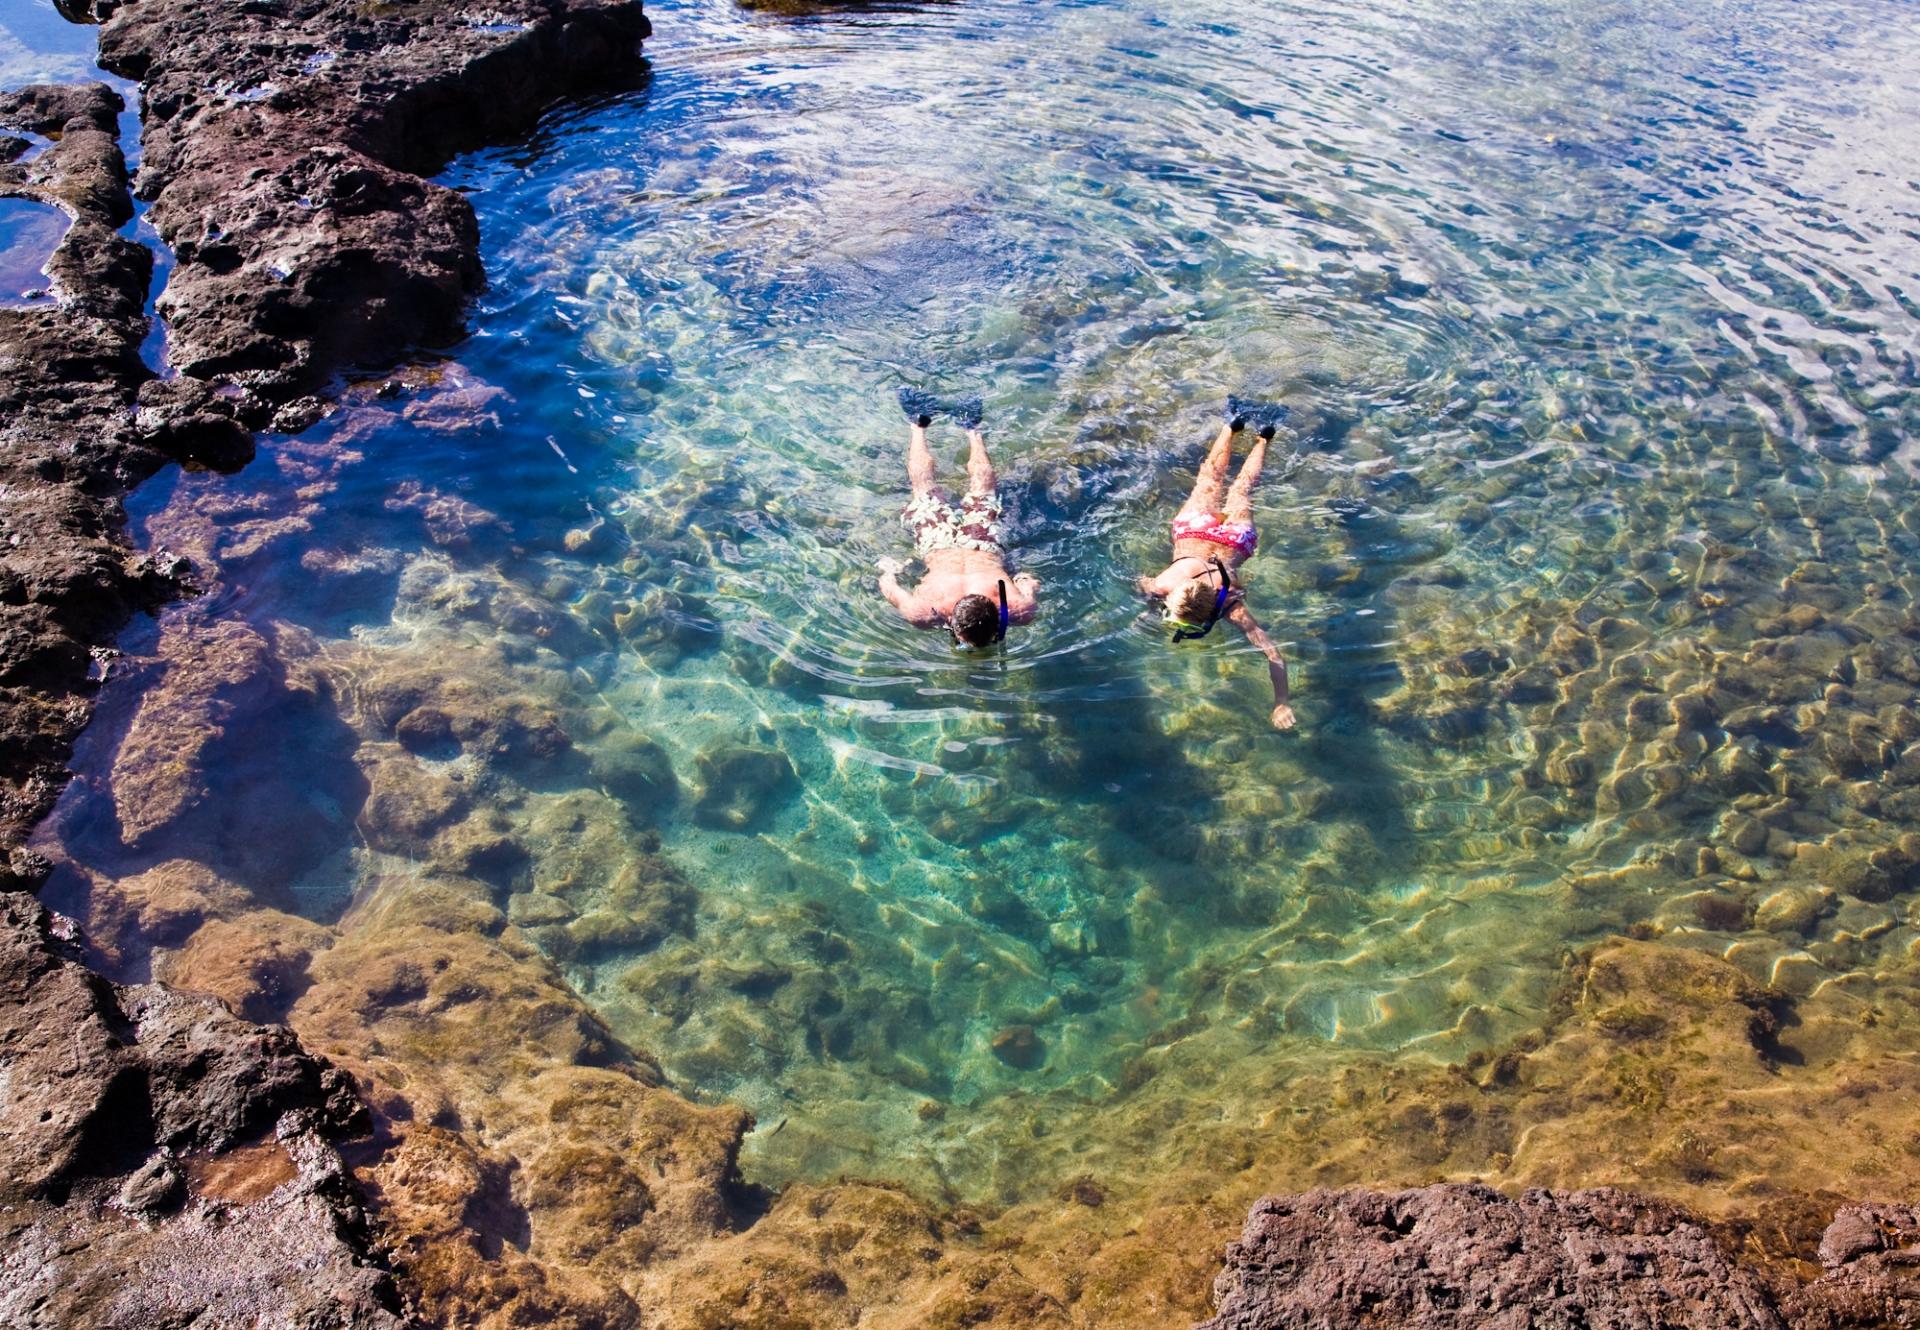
1182	633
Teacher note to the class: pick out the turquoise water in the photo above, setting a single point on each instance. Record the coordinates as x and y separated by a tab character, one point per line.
1598	324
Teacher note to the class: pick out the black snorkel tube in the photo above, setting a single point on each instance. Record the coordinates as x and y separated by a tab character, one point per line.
999	631
1182	634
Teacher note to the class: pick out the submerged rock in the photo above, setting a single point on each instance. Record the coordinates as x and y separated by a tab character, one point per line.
203	769
1790	910
407	803
740	784
636	771
1019	1047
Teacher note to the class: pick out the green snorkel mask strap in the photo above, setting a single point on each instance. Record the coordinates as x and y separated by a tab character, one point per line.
1219	605
1001	634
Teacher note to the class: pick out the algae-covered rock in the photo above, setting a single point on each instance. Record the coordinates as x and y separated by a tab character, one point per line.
533	909
256	964
1790	910
407	803
205	761
635	770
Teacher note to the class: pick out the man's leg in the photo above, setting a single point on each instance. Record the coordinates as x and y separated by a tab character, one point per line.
980	477
979	520
919	460
1239	507
1213	474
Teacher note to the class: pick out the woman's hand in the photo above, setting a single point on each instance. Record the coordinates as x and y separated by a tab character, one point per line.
1283	719
890	566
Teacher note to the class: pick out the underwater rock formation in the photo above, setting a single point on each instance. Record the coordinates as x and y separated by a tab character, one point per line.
283	149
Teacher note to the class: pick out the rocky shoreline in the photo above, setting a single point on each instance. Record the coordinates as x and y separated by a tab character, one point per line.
282	144
143	1129
499	1157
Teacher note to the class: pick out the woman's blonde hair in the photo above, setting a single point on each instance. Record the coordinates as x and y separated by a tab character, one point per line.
1192	603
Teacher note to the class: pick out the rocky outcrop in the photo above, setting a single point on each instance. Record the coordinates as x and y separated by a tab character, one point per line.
69	369
143	1129
283	146
1870	1259
1459	1256
1452	1256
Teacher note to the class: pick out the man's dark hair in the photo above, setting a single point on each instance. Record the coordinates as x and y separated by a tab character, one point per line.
976	620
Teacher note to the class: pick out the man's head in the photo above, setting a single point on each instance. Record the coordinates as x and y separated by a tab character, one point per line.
976	621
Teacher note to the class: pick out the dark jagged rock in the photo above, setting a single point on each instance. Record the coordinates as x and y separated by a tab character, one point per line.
283	141
1870	1256
163	1162
1462	1257
68	445
281	138
1454	1257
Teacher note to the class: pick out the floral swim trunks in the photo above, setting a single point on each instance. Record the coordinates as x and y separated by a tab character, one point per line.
938	524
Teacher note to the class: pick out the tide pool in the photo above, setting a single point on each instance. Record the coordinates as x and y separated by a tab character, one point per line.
1597	324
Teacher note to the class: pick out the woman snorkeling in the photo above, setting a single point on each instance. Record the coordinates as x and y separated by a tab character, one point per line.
1212	537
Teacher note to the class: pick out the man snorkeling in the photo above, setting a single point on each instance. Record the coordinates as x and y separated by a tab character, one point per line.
967	586
1212	538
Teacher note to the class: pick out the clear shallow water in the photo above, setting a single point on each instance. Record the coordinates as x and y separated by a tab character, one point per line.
1599	327
38	45
29	233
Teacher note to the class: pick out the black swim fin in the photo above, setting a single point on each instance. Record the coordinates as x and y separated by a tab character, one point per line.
1265	417
920	407
967	412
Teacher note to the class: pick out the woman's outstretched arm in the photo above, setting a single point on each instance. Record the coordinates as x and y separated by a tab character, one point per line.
1242	617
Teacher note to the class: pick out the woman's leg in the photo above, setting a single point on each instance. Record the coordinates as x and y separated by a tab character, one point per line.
1213	474
1239	506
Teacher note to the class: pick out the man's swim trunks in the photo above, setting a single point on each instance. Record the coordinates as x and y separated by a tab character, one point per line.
1216	530
937	524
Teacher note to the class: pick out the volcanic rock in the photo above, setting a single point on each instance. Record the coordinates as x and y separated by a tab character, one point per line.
283	147
1451	1257
123	1108
68	446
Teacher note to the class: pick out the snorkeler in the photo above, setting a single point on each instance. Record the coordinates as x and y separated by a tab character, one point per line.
1211	539
966	586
